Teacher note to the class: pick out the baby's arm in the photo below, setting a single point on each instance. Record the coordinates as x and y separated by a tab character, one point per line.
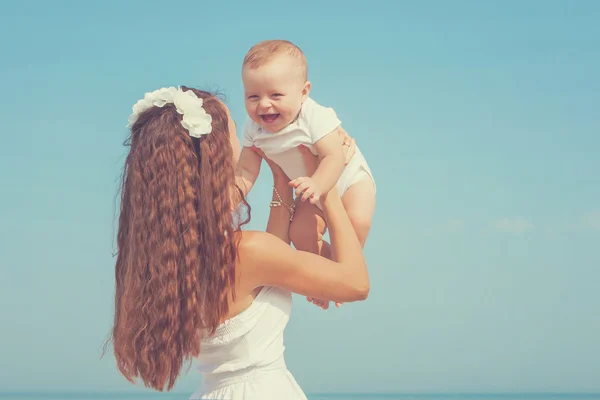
331	154
332	162
247	169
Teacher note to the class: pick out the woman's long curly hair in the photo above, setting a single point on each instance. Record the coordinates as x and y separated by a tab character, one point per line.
177	249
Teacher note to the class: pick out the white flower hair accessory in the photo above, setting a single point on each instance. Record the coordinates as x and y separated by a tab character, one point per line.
195	118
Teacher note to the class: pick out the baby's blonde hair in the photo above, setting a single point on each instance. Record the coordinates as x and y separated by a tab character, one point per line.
263	52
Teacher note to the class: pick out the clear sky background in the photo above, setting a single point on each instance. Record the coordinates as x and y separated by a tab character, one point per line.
481	123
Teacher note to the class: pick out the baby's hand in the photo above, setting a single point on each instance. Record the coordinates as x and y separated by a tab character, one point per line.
307	188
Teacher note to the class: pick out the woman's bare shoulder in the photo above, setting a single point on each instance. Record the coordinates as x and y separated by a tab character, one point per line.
254	250
249	237
253	242
262	249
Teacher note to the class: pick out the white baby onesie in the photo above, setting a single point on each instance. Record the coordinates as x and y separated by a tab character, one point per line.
312	124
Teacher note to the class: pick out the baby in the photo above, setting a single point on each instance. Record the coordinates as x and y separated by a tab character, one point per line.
282	118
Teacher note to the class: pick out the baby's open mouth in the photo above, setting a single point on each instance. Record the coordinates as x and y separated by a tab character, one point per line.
269	118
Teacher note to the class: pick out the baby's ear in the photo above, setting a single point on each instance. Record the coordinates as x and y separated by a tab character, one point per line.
306	90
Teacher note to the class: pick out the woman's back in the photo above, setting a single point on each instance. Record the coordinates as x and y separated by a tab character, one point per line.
244	358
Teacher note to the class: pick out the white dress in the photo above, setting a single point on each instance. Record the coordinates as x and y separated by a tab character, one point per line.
244	359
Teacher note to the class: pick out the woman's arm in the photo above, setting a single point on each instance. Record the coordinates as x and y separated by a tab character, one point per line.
282	202
271	261
282	209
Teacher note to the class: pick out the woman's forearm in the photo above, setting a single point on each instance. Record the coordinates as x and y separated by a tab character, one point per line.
282	209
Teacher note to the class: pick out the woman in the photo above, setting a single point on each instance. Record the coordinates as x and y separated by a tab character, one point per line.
189	283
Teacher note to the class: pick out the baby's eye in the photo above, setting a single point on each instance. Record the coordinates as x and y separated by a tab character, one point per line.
277	95
252	97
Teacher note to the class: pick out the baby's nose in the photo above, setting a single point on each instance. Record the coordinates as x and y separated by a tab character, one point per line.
265	103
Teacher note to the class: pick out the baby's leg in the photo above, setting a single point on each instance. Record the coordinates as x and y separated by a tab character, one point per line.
306	234
359	203
307	229
308	226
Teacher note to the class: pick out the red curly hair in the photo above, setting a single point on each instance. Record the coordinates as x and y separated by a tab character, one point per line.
175	269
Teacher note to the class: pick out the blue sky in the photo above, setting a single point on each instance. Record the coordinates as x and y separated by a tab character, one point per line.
479	120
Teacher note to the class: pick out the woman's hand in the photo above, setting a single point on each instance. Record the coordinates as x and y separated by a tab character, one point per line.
348	143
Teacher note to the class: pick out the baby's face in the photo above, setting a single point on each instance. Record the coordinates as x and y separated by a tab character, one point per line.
274	93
